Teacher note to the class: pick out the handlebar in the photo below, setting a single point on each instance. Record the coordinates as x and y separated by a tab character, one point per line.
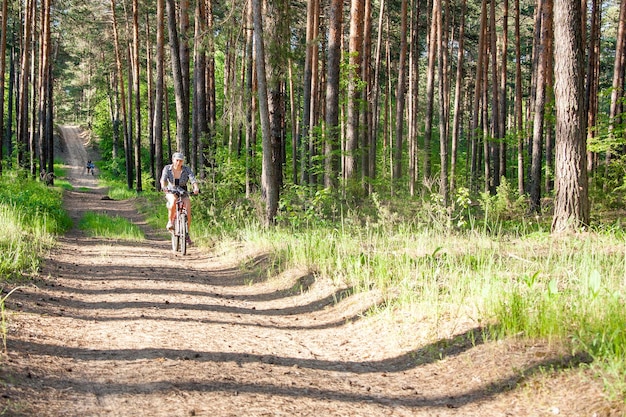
179	191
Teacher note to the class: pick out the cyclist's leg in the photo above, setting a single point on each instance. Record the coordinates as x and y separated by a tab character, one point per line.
171	207
187	202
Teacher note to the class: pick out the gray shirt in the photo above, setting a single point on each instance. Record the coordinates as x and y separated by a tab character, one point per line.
185	176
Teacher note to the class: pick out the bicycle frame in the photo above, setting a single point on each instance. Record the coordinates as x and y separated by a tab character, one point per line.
181	231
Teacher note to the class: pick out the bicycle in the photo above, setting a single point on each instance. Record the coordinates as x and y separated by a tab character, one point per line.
180	232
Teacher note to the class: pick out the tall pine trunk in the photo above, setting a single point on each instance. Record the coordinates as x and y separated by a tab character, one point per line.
3	49
137	89
400	95
571	208
335	21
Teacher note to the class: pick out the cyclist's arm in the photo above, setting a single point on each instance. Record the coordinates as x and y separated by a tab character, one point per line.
164	180
193	181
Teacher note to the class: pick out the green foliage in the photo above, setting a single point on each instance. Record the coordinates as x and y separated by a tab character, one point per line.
302	206
39	205
30	214
100	225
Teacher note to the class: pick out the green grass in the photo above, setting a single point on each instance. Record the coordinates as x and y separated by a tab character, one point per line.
31	214
515	278
113	227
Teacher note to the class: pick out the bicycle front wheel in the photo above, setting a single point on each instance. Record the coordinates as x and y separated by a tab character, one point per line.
182	235
174	240
176	234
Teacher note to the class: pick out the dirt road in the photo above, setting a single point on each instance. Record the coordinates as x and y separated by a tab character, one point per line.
114	328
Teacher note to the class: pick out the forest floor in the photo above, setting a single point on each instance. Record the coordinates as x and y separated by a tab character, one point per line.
118	328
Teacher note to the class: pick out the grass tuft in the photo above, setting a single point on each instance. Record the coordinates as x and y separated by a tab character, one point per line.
103	226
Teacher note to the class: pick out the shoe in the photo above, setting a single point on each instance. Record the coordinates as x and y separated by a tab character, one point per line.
169	226
189	241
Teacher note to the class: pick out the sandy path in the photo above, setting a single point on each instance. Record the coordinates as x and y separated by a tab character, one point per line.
113	328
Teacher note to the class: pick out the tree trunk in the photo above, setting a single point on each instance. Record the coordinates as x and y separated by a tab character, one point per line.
373	137
593	78
208	153
3	49
137	87
571	209
519	121
277	50
414	60
366	78
199	115
617	91
539	109
184	46
159	93
354	93
120	82
494	145
503	89
335	19
44	82
456	124
307	91
22	114
182	102
267	181
400	95
150	91
478	87
444	102
250	105
430	89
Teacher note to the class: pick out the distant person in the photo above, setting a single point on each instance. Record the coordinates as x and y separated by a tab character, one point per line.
90	167
177	175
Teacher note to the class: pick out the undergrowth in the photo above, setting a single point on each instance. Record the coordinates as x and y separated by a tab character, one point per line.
484	260
30	214
115	227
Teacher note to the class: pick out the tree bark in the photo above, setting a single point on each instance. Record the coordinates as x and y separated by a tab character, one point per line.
571	209
182	101
137	88
199	111
494	144
373	137
503	90
539	108
456	124
354	94
159	93
519	121
150	91
120	82
3	49
307	96
617	91
414	60
335	19
444	102
593	79
268	193
400	95
44	82
430	89
22	113
478	87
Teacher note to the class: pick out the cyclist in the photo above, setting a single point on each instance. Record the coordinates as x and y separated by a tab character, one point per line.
177	175
90	167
